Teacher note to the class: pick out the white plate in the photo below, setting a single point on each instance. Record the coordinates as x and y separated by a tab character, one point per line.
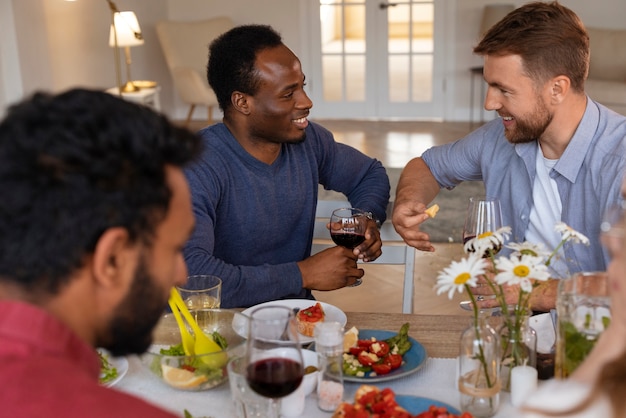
120	364
332	314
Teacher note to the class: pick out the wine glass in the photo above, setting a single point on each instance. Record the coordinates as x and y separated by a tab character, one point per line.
484	214
274	364
347	229
348	226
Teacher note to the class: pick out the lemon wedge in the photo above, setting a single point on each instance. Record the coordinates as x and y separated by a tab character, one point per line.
181	378
350	338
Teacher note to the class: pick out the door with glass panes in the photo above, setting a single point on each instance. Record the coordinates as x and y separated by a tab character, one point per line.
375	59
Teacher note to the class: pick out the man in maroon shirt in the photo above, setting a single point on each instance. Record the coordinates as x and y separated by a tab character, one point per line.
94	213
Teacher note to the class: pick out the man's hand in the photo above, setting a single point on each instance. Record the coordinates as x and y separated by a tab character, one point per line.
542	297
330	269
371	248
416	187
407	216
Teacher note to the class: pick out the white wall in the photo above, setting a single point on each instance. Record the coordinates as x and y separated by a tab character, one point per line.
56	44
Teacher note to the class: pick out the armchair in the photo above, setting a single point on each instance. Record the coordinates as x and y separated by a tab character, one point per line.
185	46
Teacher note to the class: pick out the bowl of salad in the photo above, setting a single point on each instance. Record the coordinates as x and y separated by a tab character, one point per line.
166	358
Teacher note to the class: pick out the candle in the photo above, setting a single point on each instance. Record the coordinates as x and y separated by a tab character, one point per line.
523	382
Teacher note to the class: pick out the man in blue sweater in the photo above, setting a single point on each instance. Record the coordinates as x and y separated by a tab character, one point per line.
255	187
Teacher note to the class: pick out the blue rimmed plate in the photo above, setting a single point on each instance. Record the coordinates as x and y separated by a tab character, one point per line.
416	404
412	360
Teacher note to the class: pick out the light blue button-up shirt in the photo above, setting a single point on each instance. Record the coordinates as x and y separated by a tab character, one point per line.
588	176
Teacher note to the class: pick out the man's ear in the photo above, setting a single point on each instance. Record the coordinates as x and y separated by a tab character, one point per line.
560	87
240	102
111	256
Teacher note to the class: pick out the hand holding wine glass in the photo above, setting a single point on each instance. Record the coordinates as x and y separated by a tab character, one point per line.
347	229
273	356
484	214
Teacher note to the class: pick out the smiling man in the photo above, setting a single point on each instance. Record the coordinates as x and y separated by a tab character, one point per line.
553	155
255	187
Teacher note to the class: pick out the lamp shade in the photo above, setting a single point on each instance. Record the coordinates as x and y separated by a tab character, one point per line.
128	30
492	14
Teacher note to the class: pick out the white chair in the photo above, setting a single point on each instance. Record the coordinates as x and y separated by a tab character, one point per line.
186	49
395	250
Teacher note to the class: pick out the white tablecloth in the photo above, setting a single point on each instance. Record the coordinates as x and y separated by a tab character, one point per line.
436	380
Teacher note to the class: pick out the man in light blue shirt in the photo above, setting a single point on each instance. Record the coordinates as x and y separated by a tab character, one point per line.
554	154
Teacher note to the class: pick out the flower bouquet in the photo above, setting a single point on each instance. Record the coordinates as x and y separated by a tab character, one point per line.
526	267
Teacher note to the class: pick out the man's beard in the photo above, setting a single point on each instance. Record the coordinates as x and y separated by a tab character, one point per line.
130	330
531	127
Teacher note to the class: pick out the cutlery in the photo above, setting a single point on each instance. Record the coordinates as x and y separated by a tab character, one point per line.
186	338
203	343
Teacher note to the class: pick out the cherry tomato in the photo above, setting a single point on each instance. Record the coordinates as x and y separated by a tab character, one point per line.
355	351
365	359
383	350
393	360
381	368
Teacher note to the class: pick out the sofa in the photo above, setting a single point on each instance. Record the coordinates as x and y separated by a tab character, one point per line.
606	83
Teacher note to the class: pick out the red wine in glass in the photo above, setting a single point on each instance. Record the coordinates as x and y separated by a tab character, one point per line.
347	240
273	353
274	377
347	227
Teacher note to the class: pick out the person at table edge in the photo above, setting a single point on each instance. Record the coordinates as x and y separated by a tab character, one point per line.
552	155
255	187
95	212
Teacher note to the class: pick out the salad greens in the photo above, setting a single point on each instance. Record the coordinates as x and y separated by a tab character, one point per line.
107	371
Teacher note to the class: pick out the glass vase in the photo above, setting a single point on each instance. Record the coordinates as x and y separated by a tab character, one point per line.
479	366
519	346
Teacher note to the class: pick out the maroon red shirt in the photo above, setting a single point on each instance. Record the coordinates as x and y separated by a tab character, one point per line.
47	371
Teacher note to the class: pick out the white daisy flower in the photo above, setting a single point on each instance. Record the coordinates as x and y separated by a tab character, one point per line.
520	271
460	273
568	233
529	248
487	242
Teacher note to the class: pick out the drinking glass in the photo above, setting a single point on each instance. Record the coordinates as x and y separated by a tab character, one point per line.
274	364
348	226
484	214
202	294
347	229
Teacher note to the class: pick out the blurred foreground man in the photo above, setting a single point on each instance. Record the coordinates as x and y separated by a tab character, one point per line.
95	211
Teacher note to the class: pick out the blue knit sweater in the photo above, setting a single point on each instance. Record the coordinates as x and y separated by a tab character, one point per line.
254	221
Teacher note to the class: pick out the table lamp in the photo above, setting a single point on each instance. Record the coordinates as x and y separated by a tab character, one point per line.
125	32
492	14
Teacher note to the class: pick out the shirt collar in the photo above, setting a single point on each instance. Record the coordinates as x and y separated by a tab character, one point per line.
571	161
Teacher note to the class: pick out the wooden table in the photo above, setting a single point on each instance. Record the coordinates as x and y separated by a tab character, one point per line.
439	334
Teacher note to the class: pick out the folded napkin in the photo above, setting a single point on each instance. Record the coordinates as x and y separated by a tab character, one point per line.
546	335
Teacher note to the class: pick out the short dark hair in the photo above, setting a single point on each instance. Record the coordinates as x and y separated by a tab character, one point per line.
73	165
550	38
232	56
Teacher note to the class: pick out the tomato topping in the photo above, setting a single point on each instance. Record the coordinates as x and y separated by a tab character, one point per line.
311	314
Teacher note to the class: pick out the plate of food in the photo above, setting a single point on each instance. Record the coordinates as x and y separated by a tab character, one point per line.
372	401
303	307
417	405
373	358
112	369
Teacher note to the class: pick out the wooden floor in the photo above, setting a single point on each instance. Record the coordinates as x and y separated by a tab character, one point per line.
394	144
